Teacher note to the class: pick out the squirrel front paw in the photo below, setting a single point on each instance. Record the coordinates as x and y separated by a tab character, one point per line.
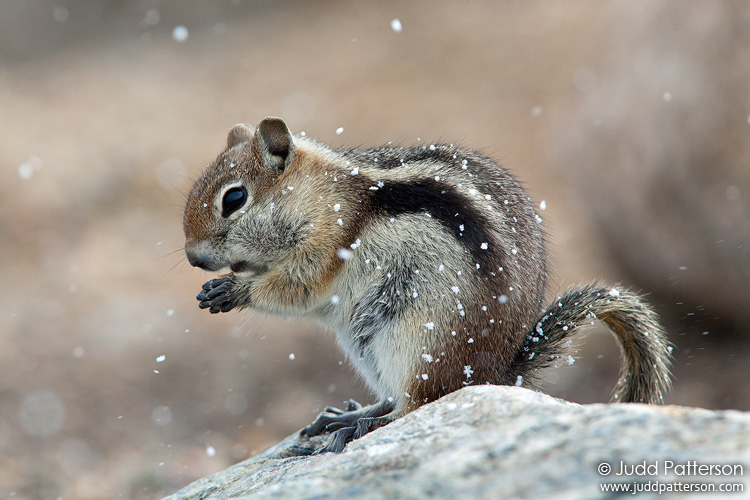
217	295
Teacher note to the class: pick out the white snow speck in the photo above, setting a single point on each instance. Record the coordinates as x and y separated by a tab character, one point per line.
543	205
340	222
78	352
455	289
430	325
614	292
427	358
355	171
337	207
180	33
396	25
424	376
210	451
170	312
414	294
161	358
519	381
161	415
27	168
571	360
151	18
335	299
339	130
483	246
667	96
345	253
291	356
60	14
536	111
732	193
468	371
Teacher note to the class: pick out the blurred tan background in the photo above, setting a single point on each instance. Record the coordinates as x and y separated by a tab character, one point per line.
630	119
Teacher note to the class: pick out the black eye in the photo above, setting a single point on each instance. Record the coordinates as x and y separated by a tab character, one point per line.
233	199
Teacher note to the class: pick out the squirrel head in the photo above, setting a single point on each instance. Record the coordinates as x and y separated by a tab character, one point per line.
225	198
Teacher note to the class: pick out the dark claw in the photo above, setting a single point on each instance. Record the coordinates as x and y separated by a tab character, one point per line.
334	426
216	295
320	424
352	405
337	442
369	424
219	289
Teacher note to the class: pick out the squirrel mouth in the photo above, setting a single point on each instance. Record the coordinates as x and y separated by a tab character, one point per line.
248	267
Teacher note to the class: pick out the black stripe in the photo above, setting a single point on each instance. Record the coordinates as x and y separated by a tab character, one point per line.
454	211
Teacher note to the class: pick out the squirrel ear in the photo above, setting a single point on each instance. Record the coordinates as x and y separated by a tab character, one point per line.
274	143
239	133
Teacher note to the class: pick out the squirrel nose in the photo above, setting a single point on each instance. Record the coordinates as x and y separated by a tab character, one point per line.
198	261
199	256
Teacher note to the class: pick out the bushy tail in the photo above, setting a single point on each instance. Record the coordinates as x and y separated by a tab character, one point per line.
644	375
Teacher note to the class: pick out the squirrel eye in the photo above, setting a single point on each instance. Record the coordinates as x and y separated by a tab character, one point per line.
233	199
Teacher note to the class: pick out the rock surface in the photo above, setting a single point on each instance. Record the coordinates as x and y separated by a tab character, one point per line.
501	442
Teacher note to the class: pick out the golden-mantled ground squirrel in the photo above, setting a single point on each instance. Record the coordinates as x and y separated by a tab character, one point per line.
428	262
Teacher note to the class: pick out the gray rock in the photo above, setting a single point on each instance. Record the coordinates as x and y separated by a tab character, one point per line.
500	442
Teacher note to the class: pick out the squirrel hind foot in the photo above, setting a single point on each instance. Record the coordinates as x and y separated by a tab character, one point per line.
350	424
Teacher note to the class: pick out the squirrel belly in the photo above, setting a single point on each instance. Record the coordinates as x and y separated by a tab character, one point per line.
428	262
